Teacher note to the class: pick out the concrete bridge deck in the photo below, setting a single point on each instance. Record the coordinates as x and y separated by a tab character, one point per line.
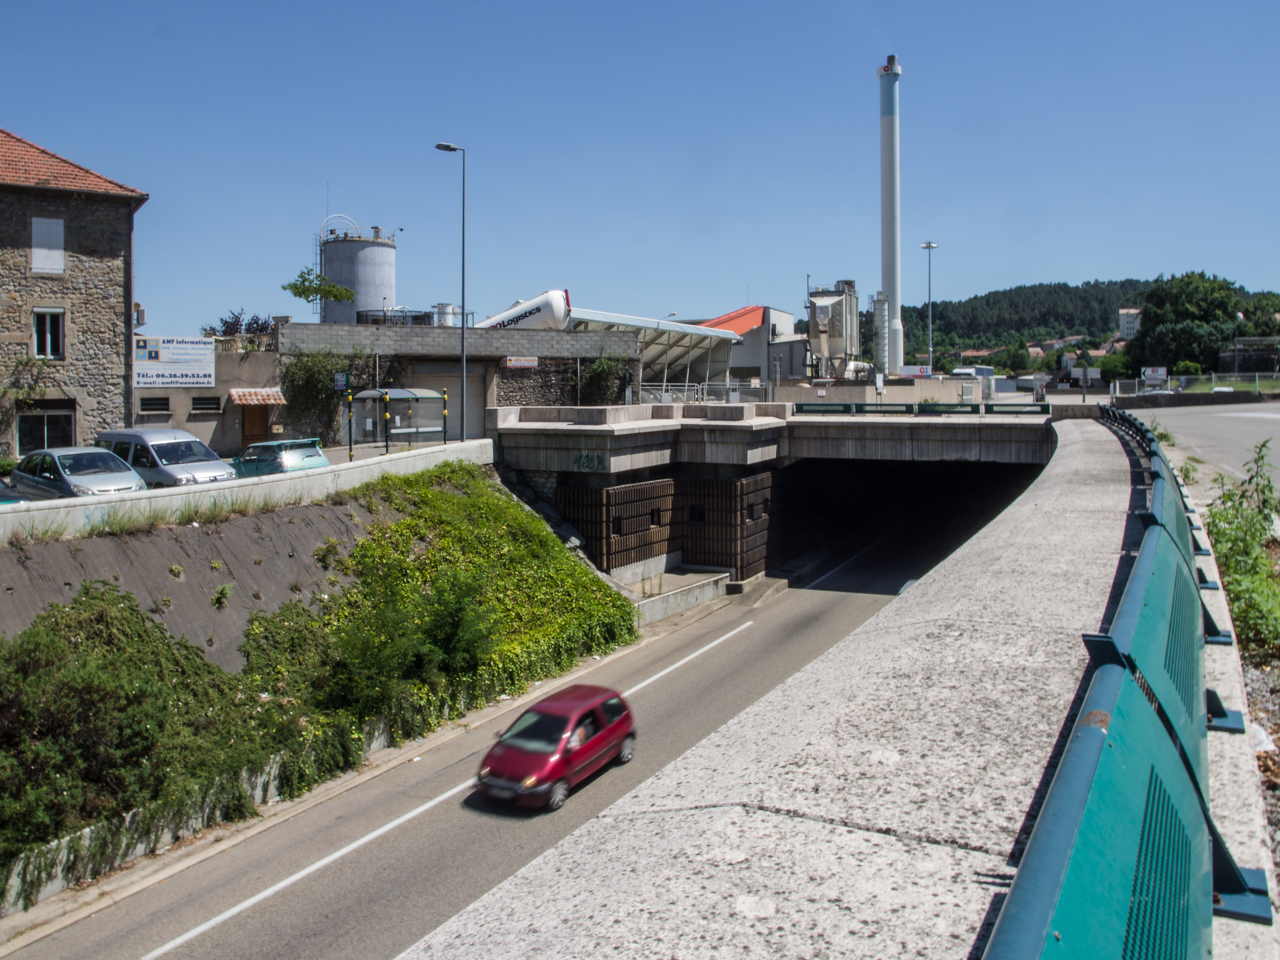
618	440
872	805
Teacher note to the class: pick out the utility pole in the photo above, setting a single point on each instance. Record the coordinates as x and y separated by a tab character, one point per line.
930	246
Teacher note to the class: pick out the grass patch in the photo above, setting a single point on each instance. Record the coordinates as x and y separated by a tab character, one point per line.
1239	521
119	520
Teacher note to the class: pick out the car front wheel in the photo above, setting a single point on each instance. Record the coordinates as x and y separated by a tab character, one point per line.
627	750
558	795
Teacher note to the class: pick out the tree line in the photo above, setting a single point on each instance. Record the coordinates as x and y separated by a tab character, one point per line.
1187	319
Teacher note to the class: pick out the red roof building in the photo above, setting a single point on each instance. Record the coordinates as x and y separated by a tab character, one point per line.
66	296
23	164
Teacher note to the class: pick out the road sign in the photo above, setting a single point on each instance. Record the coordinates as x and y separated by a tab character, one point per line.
1155	373
879	383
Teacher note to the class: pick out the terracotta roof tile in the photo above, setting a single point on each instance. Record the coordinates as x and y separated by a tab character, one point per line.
248	397
23	164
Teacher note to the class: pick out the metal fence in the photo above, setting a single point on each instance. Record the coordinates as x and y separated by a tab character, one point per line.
1125	860
1214	382
702	393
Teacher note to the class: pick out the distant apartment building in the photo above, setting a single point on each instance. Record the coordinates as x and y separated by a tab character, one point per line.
1130	320
66	292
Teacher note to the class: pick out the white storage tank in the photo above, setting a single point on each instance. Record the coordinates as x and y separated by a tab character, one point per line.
447	315
365	264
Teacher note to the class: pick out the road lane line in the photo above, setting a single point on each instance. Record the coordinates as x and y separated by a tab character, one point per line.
681	663
877	543
307	871
356	845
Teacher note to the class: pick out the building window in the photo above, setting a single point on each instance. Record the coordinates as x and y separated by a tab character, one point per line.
153	404
41	429
206	404
50	342
47	253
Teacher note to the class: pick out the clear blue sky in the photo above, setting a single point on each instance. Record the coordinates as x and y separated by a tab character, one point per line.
662	156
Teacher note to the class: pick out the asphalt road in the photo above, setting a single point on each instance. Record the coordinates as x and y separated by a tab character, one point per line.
381	898
1223	436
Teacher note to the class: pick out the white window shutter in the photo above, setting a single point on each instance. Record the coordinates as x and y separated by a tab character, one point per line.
46	246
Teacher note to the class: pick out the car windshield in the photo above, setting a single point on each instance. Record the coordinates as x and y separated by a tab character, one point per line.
91	461
183	451
536	732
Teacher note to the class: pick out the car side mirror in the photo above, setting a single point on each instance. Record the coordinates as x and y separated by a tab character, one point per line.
497	735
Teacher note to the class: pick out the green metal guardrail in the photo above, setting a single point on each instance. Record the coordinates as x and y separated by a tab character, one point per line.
908	408
929	408
1017	409
1125	860
823	408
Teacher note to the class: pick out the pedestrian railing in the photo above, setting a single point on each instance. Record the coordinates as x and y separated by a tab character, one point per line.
845	408
1125	860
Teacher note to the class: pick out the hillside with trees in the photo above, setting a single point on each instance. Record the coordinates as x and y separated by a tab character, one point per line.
1187	318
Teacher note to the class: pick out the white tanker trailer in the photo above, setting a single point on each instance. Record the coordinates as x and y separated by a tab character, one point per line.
550	311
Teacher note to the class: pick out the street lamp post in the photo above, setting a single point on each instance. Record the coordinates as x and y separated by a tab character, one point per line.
930	246
454	148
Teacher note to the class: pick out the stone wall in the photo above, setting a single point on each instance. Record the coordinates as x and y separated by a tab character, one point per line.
90	292
549	384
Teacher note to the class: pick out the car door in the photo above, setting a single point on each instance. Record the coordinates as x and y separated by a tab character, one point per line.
593	748
23	477
614	711
246	465
144	461
49	479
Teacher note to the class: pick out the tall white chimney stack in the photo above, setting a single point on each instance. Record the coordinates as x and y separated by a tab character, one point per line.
890	216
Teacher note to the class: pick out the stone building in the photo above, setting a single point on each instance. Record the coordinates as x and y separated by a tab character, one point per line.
66	271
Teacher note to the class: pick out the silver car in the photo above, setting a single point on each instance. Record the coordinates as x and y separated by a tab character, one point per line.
73	472
166	458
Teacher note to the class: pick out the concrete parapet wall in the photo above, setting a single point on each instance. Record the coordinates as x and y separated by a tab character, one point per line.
77	516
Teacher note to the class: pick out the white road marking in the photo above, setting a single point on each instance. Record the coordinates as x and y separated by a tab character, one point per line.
681	663
845	564
356	845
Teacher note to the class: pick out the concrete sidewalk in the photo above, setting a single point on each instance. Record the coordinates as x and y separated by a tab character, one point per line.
869	806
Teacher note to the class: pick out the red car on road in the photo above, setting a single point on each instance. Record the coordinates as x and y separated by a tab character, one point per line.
556	744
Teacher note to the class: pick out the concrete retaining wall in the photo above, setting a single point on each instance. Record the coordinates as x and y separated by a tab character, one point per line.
666	604
79	516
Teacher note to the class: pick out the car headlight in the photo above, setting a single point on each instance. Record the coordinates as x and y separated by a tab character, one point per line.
484	772
528	782
80	491
140	485
183	481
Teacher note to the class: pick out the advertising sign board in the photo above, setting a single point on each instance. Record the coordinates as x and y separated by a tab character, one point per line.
341	380
913	370
521	363
879	383
173	362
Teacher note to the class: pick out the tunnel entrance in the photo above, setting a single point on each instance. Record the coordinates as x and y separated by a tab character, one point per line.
759	522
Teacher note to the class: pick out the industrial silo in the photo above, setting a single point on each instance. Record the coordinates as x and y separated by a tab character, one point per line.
364	263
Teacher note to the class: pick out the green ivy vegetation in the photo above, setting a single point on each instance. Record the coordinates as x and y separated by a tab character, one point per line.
460	595
1239	522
